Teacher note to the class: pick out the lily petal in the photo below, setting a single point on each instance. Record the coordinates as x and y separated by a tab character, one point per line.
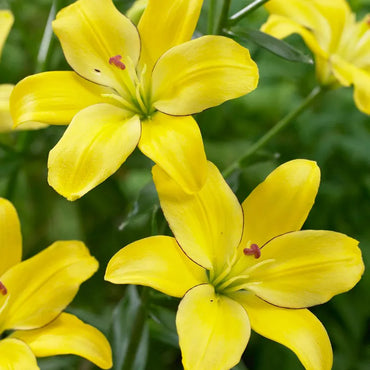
94	146
6	22
53	97
175	144
299	330
306	268
348	74
68	335
202	73
93	31
281	27
14	354
41	287
206	224
281	203
10	236
164	24
158	262
213	330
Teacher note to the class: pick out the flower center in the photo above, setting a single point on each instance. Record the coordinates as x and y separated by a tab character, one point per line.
3	289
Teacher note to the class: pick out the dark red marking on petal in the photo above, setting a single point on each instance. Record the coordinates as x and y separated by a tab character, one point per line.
116	60
252	251
3	289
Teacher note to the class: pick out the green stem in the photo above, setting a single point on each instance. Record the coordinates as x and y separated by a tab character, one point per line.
211	16
274	130
242	13
137	331
223	17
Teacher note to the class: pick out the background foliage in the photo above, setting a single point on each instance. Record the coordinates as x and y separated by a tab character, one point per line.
125	207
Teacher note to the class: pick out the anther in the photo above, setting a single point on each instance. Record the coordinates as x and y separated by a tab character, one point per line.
252	251
3	290
116	60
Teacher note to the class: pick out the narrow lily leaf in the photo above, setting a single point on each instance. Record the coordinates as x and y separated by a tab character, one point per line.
124	318
272	44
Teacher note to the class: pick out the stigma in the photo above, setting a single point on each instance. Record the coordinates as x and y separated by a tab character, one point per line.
116	60
3	289
253	250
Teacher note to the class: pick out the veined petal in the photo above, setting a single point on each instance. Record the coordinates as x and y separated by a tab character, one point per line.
94	146
306	14
206	224
281	203
306	268
281	27
202	73
6	22
16	355
175	144
10	237
299	330
53	97
164	24
41	287
93	31
68	335
348	74
213	330
158	262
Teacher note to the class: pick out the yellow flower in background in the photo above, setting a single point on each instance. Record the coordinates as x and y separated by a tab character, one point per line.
6	123
33	294
241	267
132	86
340	44
137	10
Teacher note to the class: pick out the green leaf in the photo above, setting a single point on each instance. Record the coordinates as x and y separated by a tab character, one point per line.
272	44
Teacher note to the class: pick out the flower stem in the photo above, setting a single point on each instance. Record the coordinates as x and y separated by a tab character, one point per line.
211	16
223	16
246	10
274	130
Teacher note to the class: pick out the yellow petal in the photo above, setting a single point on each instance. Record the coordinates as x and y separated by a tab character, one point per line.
202	73
175	144
207	224
53	97
299	330
348	74
164	24
16	355
306	268
306	15
213	330
93	31
281	203
94	146
158	262
41	287
10	236
6	22
281	27
68	335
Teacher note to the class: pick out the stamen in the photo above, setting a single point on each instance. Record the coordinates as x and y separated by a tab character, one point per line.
3	289
116	60
252	251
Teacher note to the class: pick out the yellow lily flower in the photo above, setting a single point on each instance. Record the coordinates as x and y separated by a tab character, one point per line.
33	294
132	86
6	122
238	267
340	44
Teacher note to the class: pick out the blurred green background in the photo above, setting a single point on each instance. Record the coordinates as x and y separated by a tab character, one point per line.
125	207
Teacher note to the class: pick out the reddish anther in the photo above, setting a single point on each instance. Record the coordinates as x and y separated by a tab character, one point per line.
252	251
3	290
116	60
